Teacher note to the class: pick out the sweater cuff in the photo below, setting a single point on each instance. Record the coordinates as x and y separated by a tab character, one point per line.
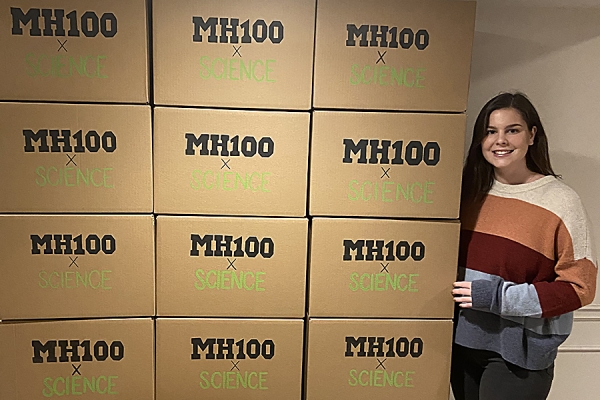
481	294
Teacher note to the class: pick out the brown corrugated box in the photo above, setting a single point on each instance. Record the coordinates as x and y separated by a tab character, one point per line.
382	268
393	55
386	164
74	50
378	359
75	158
75	266
79	359
262	170
231	267
264	361
255	54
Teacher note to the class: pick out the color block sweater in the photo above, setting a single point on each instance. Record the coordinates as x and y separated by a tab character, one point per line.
528	253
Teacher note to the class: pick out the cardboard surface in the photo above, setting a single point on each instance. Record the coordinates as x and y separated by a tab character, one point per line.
74	266
344	361
255	54
192	359
382	268
238	267
262	171
416	172
114	358
408	55
75	158
74	50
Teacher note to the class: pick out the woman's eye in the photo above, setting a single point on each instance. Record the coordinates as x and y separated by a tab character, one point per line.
490	132
513	131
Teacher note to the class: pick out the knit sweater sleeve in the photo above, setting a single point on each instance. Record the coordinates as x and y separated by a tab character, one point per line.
575	272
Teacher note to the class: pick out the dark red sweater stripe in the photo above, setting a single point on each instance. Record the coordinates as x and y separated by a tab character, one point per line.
496	255
557	298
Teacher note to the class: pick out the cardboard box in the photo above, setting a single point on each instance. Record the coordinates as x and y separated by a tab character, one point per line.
382	268
261	171
74	50
75	158
74	266
386	164
79	359
393	55
231	267
255	54
378	359
229	359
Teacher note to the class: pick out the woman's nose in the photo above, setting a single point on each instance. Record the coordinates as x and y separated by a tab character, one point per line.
501	138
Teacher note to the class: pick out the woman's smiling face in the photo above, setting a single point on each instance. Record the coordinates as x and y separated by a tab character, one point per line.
506	142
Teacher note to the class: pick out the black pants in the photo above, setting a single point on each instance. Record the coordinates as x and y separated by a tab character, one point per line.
484	375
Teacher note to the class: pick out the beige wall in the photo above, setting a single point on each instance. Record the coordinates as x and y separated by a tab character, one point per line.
550	49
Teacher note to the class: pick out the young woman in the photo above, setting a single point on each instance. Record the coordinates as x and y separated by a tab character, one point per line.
526	260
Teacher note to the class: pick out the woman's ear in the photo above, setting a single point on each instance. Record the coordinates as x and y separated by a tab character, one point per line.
533	132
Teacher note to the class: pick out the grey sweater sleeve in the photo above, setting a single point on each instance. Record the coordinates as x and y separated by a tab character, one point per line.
506	298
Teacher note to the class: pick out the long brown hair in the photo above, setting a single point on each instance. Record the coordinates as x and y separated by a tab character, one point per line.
478	174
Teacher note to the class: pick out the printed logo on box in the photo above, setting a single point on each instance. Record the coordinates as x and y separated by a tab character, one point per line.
224	30
384	37
224	146
382	253
75	172
78	353
64	25
75	248
236	374
384	152
231	278
382	349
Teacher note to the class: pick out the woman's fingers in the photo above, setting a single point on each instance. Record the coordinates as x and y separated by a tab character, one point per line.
462	284
463	299
462	294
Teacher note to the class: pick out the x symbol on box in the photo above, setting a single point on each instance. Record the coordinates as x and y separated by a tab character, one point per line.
385	172
62	45
71	159
380	363
235	365
225	163
381	57
236	51
76	369
73	261
385	266
231	264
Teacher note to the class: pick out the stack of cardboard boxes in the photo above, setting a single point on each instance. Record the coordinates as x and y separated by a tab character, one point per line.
77	240
231	284
279	272
390	92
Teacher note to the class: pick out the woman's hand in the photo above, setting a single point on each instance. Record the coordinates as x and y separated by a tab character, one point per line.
462	294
